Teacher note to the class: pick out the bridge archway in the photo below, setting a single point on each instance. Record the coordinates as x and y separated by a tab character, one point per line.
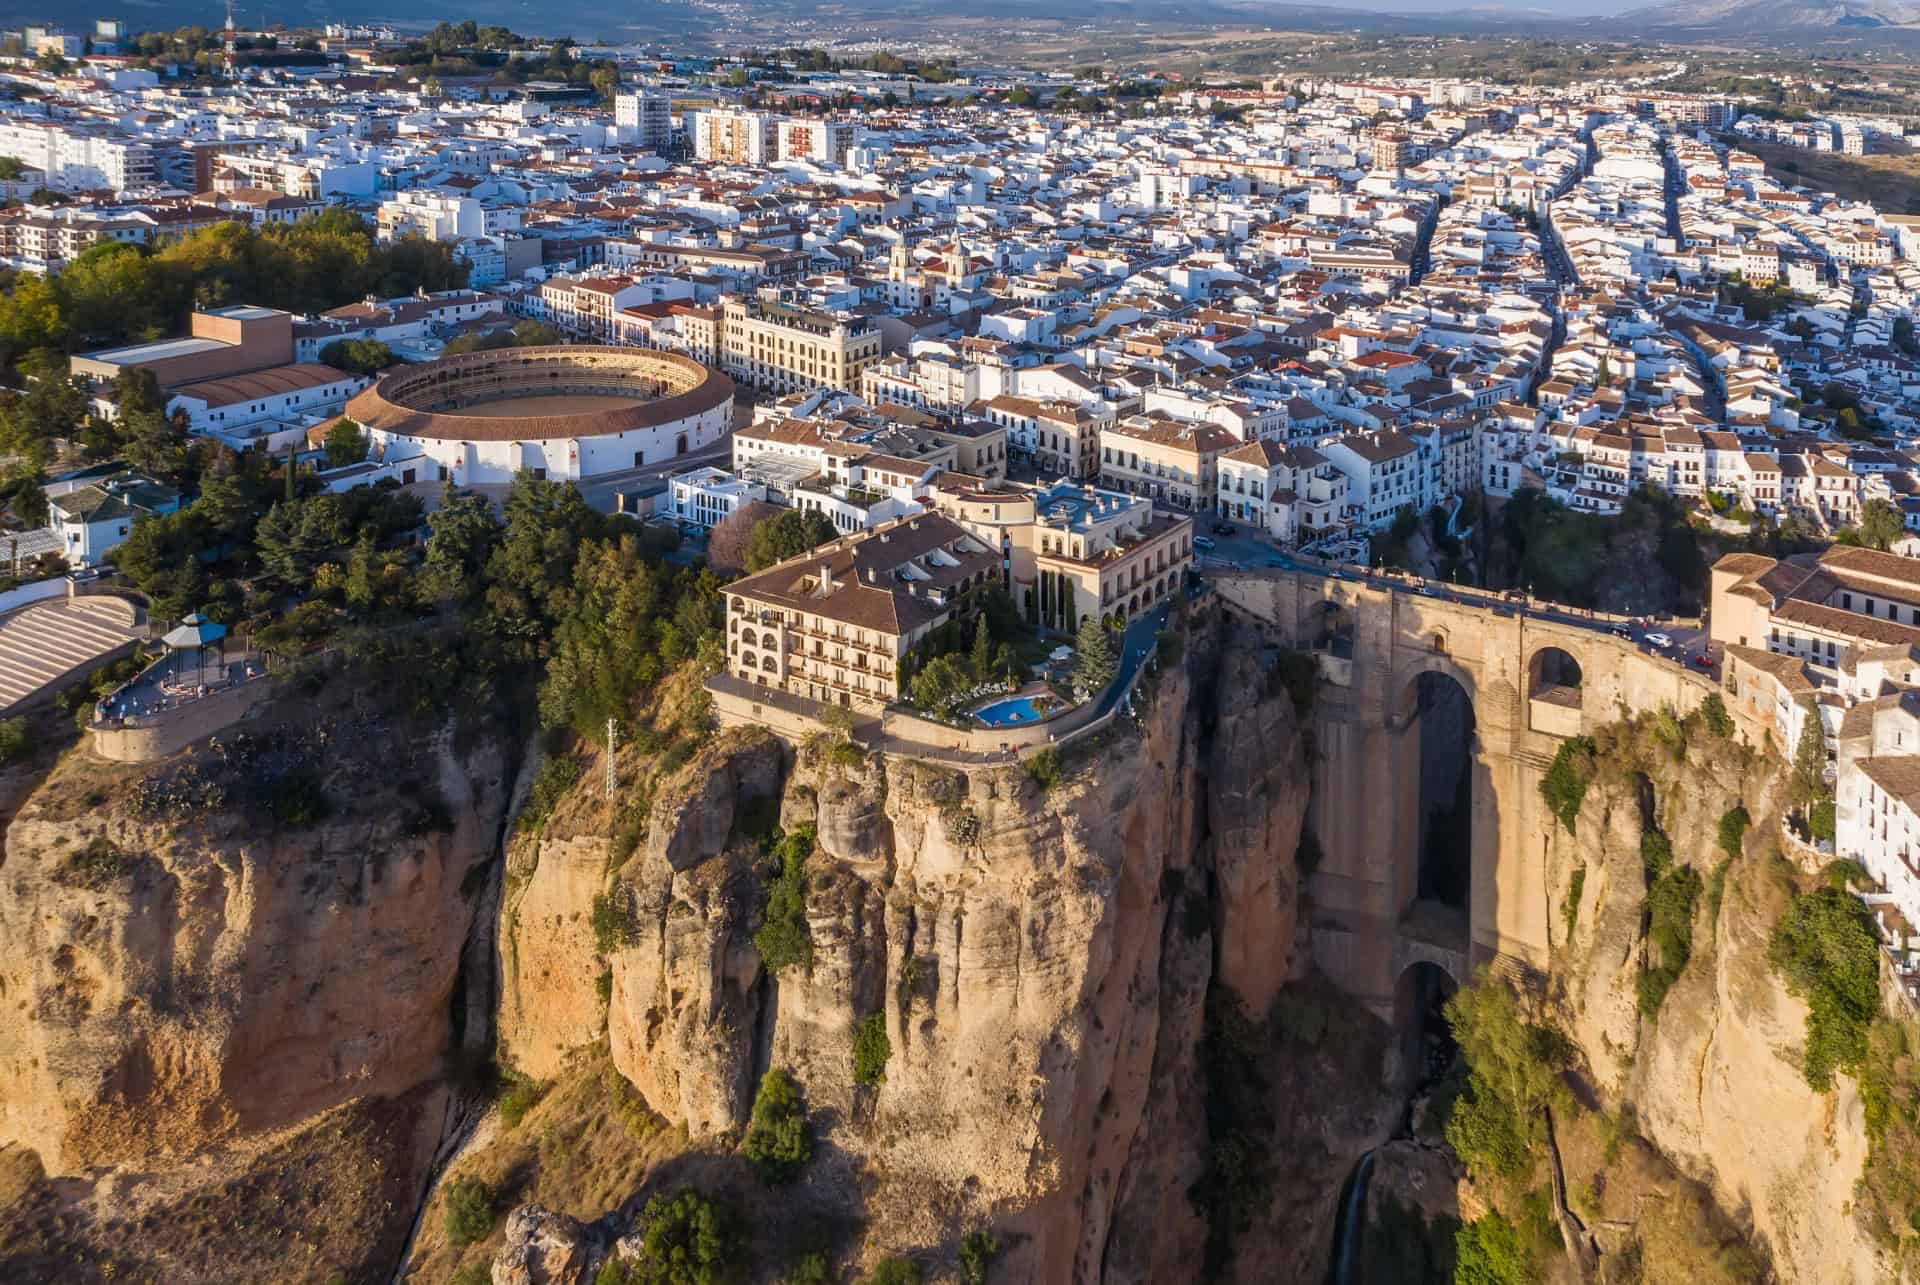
1441	705
1426	1042
1554	674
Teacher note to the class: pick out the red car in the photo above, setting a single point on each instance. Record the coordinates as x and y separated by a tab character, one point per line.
1703	660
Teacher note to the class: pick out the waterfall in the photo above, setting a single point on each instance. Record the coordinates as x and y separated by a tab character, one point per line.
1344	1265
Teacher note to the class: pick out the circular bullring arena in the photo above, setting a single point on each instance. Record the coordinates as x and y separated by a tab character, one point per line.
565	412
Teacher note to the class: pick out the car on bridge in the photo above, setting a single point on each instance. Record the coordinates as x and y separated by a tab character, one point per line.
1659	640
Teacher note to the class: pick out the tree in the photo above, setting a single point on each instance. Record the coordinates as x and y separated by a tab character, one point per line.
941	684
785	939
981	657
778	1142
894	1271
11	168
688	1239
1809	755
155	444
1097	664
469	1211
728	539
29	502
871	1049
357	356
1880	524
788	535
346	443
462	534
293	537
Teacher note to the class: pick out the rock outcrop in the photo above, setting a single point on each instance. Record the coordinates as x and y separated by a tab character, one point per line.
544	1248
1038	954
237	939
1712	1081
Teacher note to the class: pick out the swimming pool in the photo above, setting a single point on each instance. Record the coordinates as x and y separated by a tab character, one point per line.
1005	713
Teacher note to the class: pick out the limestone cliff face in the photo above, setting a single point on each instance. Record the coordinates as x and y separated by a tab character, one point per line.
179	968
1039	958
1712	1081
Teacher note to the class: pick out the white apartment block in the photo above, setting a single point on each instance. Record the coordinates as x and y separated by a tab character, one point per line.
644	117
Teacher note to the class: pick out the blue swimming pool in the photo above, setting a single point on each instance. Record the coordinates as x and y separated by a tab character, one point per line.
1017	709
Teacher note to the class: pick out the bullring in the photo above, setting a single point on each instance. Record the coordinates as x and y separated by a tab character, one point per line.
565	412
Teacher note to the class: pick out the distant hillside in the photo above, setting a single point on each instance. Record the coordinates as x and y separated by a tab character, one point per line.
1703	17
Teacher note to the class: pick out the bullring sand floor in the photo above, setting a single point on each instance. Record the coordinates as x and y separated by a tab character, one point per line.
556	404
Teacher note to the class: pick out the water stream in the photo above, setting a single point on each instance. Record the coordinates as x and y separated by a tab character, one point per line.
1344	1266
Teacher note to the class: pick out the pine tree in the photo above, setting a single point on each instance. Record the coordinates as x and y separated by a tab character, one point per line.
1810	757
982	650
1097	661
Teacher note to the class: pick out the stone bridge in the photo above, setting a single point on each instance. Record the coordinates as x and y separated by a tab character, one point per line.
1528	681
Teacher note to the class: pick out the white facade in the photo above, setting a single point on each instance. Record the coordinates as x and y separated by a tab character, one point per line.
707	496
567	459
645	118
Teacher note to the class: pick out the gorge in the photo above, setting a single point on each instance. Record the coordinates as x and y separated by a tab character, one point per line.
1129	1011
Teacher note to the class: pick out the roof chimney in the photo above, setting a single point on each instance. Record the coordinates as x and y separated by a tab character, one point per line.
826	578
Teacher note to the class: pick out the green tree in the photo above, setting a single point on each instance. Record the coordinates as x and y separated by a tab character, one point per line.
785	939
941	685
469	1211
871	1049
787	534
346	443
1097	664
894	1271
1809	755
358	356
293	537
1826	949
778	1142
977	1249
1880	524
687	1238
462	534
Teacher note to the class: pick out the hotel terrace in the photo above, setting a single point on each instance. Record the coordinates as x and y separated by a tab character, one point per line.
1072	550
833	625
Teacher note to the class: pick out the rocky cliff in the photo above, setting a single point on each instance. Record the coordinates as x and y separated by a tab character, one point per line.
1037	945
205	956
1713	1079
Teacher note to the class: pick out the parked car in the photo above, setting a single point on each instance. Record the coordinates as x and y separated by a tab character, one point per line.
1202	542
1223	528
1621	631
1659	640
1703	660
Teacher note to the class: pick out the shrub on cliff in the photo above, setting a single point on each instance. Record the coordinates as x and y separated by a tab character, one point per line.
1825	949
469	1211
894	1271
1733	830
977	1249
13	740
778	1142
871	1049
785	940
1672	892
1713	711
687	1239
1513	1073
1564	786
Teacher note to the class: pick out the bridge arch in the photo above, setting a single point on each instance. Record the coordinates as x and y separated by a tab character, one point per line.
1438	705
1426	1043
1554	673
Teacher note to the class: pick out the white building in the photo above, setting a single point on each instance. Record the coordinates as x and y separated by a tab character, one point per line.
644	117
1383	473
706	496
